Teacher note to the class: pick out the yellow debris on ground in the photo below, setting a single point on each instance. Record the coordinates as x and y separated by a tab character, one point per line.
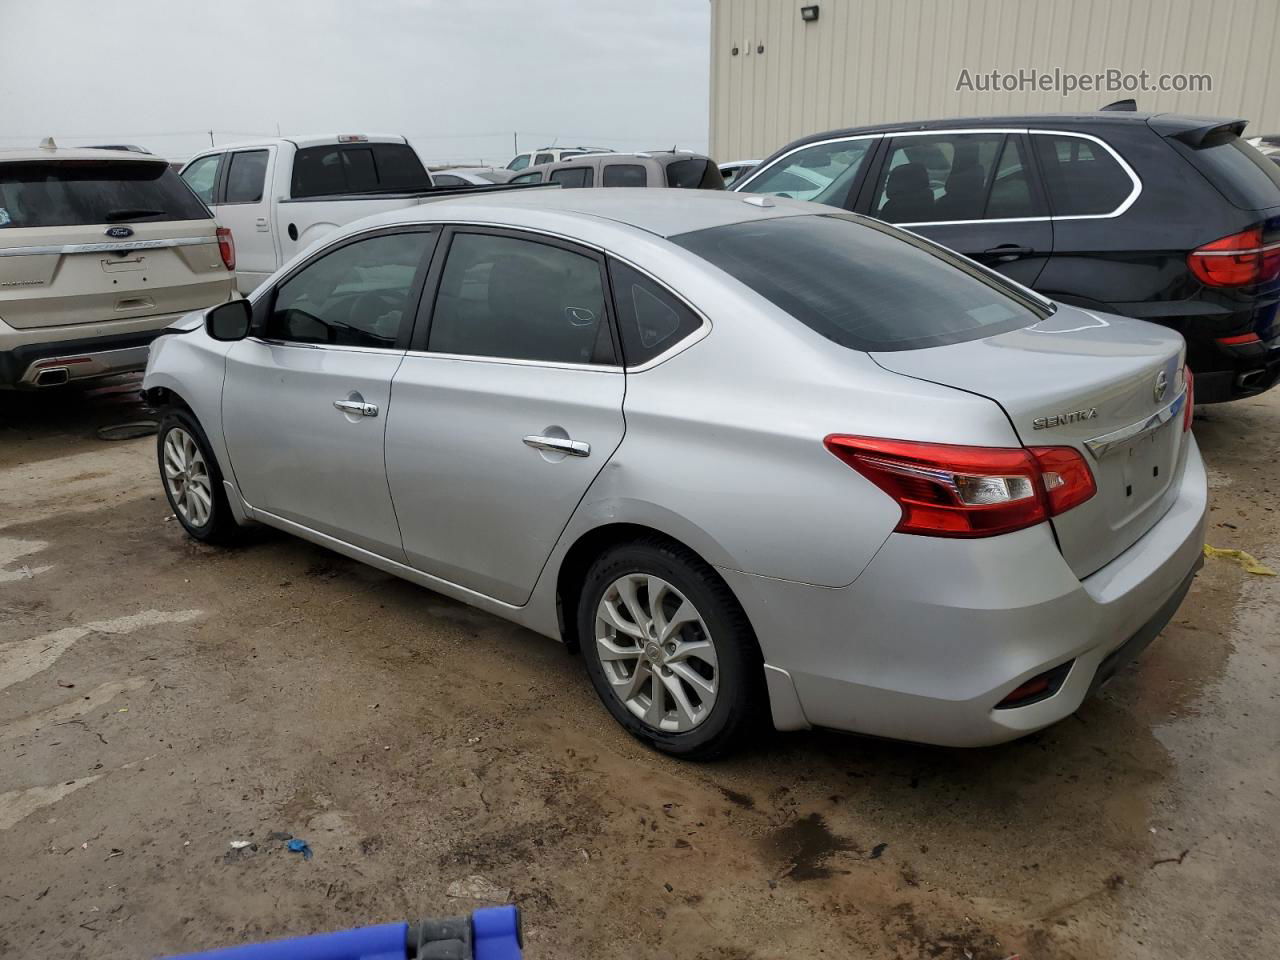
1245	560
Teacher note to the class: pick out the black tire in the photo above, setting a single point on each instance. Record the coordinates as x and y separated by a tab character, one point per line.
220	526
741	703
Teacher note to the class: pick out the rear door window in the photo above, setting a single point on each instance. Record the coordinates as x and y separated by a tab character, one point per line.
201	176
862	284
1247	178
822	172
513	298
544	158
246	176
936	178
573	177
1012	194
696	173
624	175
1081	176
61	193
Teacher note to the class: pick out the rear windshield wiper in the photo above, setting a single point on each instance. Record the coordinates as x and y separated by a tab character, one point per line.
131	213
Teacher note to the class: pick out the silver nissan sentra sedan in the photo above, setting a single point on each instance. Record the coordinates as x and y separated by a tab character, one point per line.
754	458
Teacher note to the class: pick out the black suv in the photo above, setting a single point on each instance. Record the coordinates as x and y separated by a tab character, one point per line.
1167	218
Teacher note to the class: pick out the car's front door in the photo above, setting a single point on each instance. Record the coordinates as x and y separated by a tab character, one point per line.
975	192
306	398
506	408
242	203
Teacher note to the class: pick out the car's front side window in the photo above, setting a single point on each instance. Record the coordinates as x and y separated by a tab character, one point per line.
201	175
503	296
535	177
519	163
823	172
359	295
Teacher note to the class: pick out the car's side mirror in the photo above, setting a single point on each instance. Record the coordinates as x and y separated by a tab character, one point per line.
229	321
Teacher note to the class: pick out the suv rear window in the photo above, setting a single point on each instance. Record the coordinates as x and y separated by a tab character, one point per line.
1240	172
695	173
357	168
63	193
864	284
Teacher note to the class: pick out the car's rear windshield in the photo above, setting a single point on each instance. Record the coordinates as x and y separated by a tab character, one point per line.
864	284
1240	172
696	173
65	193
357	168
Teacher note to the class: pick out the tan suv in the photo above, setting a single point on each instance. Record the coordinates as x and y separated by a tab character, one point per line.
100	250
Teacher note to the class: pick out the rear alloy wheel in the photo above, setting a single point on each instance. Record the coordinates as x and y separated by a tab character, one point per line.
656	653
669	650
192	480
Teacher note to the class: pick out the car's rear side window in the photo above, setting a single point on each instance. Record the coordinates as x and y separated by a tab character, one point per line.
246	176
650	320
864	284
61	193
1082	177
573	177
624	175
696	173
1241	173
357	168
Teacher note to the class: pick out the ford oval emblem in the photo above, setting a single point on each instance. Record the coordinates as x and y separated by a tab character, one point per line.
119	233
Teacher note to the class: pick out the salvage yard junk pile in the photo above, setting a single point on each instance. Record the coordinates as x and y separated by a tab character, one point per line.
378	539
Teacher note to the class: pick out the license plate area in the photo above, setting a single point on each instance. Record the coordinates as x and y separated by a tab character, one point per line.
1143	468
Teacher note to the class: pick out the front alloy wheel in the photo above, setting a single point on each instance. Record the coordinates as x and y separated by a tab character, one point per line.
656	653
187	477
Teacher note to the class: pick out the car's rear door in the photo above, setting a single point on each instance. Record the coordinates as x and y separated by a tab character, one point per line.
975	191
242	203
307	396
505	409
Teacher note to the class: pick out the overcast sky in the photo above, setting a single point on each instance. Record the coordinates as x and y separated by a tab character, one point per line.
457	77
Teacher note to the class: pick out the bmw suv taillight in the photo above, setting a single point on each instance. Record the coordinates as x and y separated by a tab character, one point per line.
949	490
1239	260
227	248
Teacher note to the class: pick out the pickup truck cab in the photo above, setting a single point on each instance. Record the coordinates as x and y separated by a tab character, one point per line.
278	196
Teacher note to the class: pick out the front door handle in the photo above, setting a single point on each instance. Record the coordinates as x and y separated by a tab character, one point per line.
1007	252
261	224
574	448
357	408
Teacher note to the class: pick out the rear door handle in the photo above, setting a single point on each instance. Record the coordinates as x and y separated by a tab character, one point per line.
1008	252
574	448
357	408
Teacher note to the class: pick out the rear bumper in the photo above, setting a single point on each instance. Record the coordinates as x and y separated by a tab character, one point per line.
32	365
936	633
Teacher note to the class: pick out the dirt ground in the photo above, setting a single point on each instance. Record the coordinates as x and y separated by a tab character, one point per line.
159	699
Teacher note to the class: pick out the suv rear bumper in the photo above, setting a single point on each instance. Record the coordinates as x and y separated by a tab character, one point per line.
50	364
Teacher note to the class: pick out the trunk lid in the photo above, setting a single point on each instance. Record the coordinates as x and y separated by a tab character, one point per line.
1088	381
94	241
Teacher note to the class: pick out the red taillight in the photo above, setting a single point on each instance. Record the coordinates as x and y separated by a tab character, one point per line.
1241	340
1189	408
227	248
949	490
1239	260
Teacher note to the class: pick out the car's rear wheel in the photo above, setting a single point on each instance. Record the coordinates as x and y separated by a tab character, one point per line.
192	480
669	650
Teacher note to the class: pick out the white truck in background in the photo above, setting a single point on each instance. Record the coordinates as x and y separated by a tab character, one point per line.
278	196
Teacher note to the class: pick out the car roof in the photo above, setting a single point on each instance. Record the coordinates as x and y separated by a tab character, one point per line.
1051	120
30	154
308	140
663	212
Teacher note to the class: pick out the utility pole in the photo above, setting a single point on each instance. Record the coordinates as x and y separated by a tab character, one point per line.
515	143
211	138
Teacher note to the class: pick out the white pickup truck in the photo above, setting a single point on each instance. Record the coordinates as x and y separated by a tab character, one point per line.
278	196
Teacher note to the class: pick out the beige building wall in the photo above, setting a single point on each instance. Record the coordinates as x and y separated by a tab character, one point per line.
872	61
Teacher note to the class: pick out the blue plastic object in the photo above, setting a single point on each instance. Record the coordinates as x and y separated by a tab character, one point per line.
383	942
496	933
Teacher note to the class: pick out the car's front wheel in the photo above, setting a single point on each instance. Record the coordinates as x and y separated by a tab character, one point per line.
669	650
192	480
